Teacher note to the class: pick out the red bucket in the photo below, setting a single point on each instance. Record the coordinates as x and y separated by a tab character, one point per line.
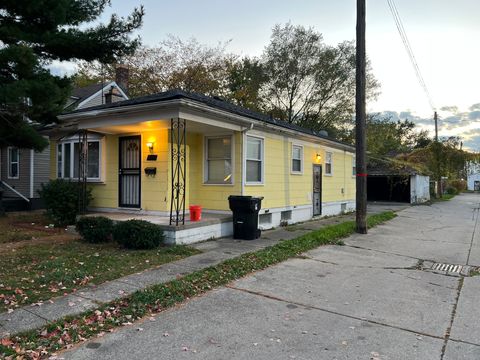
195	213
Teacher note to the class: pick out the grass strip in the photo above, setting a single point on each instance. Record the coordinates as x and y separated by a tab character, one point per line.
61	334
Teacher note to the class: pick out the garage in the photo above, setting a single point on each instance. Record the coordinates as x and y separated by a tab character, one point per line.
389	181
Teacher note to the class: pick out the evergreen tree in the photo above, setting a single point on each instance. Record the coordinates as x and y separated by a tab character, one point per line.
33	34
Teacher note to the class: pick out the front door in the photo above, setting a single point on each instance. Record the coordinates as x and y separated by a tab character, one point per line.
317	190
129	171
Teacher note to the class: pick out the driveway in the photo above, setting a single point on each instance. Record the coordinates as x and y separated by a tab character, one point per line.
377	297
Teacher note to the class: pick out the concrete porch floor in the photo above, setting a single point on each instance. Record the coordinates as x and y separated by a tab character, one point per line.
211	226
207	218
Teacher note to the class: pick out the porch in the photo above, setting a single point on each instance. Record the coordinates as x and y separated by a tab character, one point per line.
211	226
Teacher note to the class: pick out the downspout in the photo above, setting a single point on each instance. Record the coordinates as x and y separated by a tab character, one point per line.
243	165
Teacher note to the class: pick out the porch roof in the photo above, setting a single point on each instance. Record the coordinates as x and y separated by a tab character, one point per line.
212	102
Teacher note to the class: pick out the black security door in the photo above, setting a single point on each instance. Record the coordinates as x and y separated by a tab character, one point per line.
317	190
129	171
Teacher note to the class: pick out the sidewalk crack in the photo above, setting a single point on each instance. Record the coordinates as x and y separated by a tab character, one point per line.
452	318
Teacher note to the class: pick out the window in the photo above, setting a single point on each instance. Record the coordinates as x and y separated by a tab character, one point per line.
13	162
254	160
354	167
328	163
68	159
218	160
297	158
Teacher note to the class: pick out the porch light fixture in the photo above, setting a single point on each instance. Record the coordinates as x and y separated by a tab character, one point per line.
318	157
150	146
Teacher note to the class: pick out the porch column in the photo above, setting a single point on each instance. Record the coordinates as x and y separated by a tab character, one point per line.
82	171
178	153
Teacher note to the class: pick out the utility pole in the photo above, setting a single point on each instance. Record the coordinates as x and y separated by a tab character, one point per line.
437	157
361	164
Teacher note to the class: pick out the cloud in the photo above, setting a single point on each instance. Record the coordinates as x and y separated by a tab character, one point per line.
474	115
452	121
475	107
452	109
62	68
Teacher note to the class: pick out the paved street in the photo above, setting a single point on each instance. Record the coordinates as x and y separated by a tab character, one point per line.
374	298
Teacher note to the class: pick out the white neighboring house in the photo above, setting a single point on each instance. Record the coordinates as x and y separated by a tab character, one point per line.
473	176
22	171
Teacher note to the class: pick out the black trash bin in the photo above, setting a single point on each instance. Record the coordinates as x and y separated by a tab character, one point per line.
245	216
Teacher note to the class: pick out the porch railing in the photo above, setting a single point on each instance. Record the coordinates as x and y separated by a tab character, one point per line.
178	153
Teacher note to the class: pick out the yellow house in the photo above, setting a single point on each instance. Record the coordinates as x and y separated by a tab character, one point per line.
159	154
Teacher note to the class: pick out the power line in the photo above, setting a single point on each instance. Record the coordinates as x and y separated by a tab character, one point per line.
408	48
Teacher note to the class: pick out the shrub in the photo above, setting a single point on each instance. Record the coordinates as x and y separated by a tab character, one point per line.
460	185
138	234
451	190
61	200
95	229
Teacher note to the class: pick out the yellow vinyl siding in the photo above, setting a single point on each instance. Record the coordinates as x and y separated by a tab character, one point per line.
282	188
341	178
155	192
213	197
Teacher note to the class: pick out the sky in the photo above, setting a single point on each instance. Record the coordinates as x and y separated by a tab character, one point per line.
443	34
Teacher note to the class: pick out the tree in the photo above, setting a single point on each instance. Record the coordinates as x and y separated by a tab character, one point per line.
290	61
33	34
388	137
445	158
173	64
245	79
310	83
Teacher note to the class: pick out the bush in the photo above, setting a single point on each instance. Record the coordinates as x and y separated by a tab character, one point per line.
450	190
460	185
95	229
61	200
138	234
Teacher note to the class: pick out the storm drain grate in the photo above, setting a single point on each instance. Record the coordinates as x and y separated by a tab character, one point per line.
447	268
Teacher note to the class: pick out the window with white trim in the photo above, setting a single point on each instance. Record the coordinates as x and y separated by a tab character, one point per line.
68	159
328	163
13	162
254	160
297	158
218	160
354	166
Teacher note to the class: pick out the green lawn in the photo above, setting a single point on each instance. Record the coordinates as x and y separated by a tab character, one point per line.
34	273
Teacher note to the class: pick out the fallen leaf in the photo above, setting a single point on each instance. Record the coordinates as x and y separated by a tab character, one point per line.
6	342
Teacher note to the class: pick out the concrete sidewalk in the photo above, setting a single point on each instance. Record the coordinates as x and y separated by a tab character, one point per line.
377	297
213	252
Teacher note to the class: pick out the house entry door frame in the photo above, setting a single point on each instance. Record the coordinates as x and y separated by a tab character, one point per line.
317	190
129	171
